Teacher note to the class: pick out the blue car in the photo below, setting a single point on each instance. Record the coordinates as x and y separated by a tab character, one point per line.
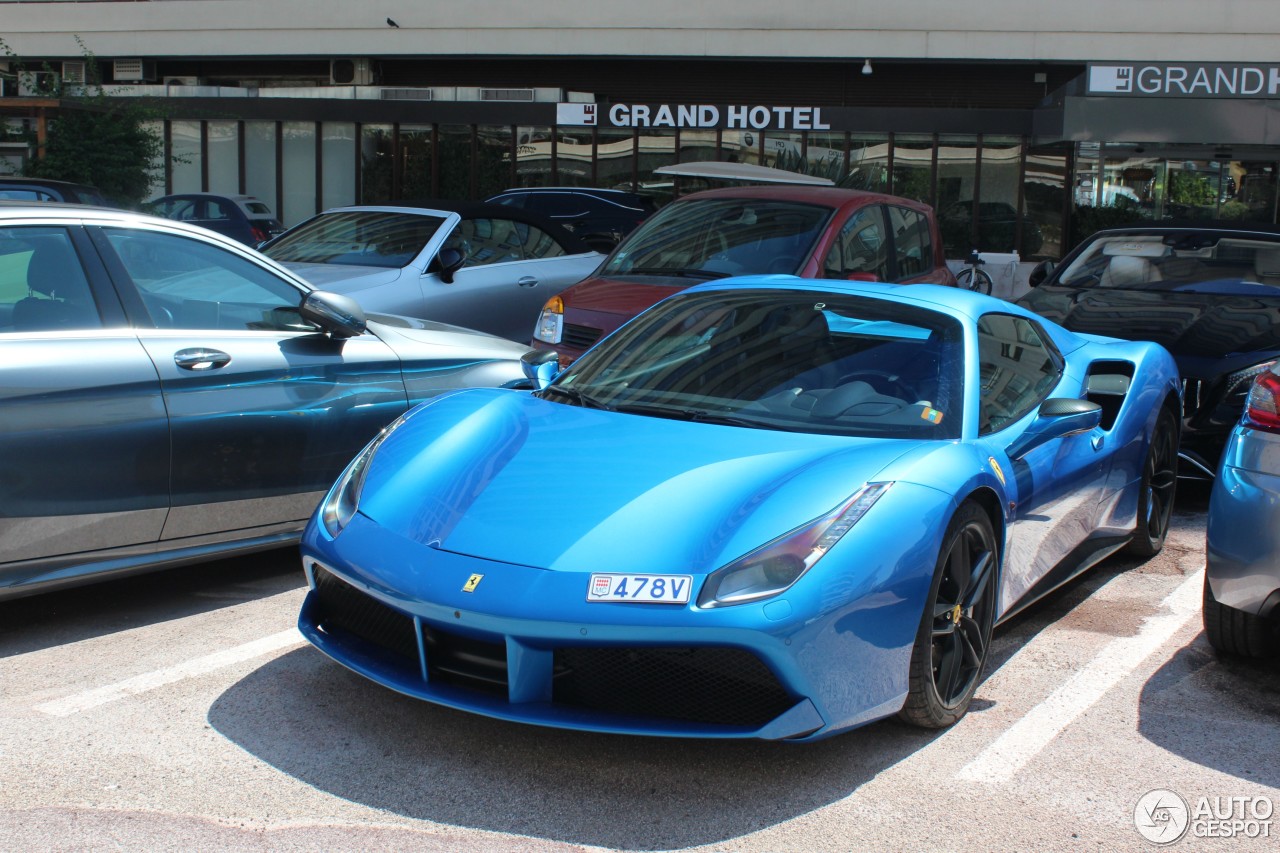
1242	548
768	507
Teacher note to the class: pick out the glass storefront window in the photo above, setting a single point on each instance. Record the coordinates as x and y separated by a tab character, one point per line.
376	158
868	161
784	151
574	147
913	167
533	156
224	157
1001	228
416	156
1044	190
616	158
454	155
697	145
184	139
493	159
339	163
957	186
260	162
657	149
299	162
741	146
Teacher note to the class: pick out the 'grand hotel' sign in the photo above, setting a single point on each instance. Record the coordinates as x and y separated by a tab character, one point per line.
1185	80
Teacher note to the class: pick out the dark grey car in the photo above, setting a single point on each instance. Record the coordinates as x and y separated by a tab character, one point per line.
169	395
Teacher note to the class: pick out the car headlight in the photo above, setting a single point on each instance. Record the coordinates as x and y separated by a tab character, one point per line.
550	322
776	566
344	498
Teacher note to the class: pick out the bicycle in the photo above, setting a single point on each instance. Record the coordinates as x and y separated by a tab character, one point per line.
973	277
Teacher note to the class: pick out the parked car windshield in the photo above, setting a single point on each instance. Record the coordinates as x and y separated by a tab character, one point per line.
794	360
367	238
1185	261
713	238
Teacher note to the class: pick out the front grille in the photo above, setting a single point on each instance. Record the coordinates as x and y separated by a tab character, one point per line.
580	337
465	662
341	608
699	684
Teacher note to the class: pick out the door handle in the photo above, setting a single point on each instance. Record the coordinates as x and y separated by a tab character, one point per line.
201	358
527	281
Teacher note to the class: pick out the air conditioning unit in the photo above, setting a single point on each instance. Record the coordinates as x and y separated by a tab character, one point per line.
350	72
406	94
73	72
133	70
507	94
181	81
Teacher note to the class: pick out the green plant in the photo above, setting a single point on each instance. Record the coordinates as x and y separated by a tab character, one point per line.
108	142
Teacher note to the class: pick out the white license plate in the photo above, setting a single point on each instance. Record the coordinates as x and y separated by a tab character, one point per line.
642	589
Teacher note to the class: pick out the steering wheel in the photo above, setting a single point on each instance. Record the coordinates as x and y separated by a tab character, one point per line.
884	382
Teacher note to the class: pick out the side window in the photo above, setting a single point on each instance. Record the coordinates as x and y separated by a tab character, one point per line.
860	248
188	284
215	209
26	195
1017	366
42	282
536	243
912	243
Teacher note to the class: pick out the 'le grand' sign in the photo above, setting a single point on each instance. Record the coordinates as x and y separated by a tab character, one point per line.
1185	80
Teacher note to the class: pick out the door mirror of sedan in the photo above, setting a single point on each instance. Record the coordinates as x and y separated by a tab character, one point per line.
450	260
540	366
1040	272
1058	417
337	316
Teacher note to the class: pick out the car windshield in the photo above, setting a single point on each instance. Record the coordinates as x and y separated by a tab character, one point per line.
793	360
367	238
713	238
1183	261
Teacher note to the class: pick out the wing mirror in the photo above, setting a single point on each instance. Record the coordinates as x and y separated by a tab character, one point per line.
1040	272
1058	417
450	260
540	366
337	315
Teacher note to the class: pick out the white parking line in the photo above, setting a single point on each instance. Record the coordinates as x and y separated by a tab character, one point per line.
1009	753
160	677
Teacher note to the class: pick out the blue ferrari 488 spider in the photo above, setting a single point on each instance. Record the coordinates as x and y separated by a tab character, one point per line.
767	507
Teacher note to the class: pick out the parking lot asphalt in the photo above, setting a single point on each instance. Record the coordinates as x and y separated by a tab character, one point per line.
181	710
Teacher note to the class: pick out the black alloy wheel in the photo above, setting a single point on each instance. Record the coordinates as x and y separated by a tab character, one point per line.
955	633
1157	489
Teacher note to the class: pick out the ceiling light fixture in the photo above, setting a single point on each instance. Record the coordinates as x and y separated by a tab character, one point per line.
866	67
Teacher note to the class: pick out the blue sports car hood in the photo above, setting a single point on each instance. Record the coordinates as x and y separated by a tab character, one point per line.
508	477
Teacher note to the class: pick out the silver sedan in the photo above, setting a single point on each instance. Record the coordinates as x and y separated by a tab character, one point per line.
168	394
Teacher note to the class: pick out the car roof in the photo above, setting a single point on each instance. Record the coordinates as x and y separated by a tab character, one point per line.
826	196
474	210
1235	225
47	182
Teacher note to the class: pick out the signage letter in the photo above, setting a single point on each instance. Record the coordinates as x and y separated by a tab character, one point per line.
618	116
708	116
687	116
1175	75
1252	81
759	117
664	117
640	116
818	123
1273	81
1149	80
737	116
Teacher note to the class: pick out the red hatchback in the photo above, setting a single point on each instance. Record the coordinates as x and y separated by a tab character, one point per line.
812	232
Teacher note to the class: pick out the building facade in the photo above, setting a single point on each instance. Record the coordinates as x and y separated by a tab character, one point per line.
1023	124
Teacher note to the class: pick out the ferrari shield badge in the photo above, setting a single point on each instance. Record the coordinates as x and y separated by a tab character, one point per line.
472	583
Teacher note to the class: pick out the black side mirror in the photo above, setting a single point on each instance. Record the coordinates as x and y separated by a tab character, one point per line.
540	366
450	261
1058	417
337	315
1040	272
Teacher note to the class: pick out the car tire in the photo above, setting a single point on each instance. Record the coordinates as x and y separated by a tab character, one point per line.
1157	489
1235	632
955	631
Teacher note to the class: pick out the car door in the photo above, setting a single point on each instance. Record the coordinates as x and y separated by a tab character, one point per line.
511	268
85	466
264	410
1054	489
861	250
